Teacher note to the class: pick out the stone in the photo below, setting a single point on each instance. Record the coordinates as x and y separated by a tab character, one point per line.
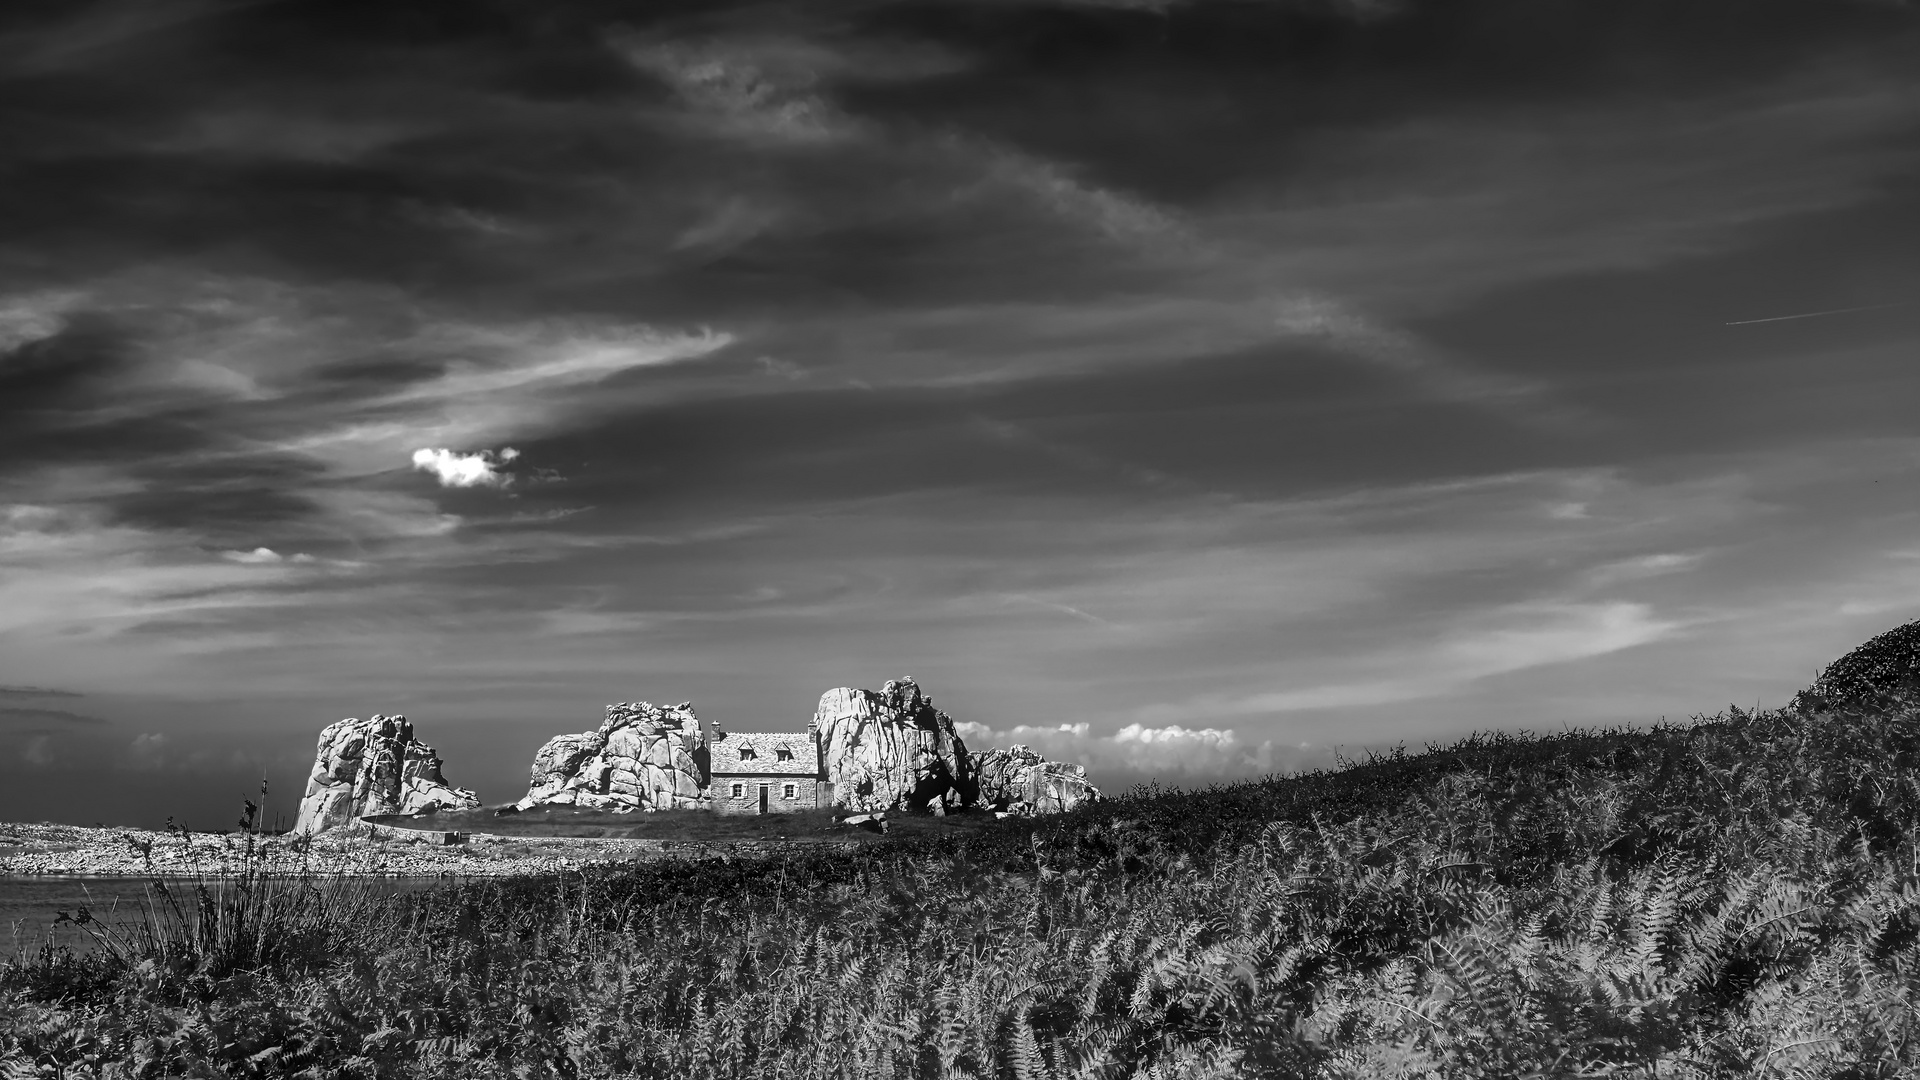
870	822
370	767
1019	781
644	757
890	750
1882	673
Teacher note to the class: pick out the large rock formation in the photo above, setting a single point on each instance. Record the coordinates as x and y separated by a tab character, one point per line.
374	766
891	749
1019	781
645	757
1884	671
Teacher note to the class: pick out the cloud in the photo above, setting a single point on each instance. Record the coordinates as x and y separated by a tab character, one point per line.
1170	750
33	317
463	470
760	91
1552	634
35	691
1064	609
266	556
58	716
256	557
1530	635
1390	349
1120	217
38	752
148	750
549	354
1645	566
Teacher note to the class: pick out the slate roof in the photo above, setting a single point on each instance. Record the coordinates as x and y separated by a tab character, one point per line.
731	754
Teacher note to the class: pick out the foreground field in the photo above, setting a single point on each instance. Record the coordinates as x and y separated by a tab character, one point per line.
1738	897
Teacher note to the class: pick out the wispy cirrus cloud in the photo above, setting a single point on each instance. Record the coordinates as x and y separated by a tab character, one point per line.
765	90
36	691
1503	642
16	715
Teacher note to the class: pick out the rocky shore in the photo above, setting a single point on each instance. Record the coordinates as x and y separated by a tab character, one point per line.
47	849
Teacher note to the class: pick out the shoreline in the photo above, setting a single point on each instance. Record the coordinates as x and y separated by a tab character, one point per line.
40	851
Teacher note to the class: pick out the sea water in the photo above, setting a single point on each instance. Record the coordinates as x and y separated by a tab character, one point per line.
30	905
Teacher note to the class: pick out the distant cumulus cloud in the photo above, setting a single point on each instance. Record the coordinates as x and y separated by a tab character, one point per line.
38	751
148	750
482	469
1136	748
257	557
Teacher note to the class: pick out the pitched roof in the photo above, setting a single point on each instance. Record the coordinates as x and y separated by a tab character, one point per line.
758	752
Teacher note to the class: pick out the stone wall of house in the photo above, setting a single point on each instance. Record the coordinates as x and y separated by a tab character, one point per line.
374	766
891	749
806	794
643	757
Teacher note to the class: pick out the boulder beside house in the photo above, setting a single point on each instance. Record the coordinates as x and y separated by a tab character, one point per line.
890	749
371	767
1019	781
643	757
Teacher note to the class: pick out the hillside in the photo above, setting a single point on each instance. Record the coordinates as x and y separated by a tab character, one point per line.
1737	896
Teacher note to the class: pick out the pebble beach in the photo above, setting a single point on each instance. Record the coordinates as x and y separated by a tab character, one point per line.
48	849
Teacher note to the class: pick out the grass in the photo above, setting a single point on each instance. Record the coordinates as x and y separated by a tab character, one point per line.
1735	897
688	826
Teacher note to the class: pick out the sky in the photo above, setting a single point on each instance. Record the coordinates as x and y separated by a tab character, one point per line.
1192	390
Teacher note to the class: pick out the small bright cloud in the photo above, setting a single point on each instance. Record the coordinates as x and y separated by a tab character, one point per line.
148	751
258	556
480	469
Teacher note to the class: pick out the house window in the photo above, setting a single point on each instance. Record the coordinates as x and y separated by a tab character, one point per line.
783	754
739	790
786	791
747	754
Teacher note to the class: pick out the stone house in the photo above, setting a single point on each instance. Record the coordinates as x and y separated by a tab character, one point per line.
757	772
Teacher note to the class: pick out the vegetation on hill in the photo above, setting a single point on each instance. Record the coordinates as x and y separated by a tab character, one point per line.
1735	897
684	825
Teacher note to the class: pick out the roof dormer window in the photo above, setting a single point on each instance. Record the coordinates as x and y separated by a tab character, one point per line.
783	754
747	754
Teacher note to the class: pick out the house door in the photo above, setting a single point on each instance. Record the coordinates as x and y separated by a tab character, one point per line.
763	798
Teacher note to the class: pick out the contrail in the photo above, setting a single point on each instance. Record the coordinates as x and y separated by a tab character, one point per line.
1816	314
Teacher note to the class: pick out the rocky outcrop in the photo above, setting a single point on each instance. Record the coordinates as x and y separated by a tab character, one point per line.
891	749
644	757
374	766
1017	780
1883	672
